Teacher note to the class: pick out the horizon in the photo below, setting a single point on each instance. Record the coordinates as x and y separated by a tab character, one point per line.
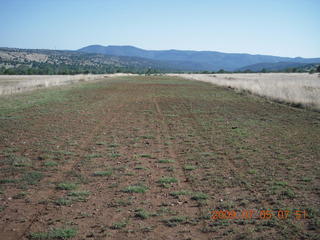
285	29
151	50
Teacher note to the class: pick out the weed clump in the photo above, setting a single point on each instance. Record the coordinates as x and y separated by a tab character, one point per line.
102	173
66	186
135	189
199	196
56	233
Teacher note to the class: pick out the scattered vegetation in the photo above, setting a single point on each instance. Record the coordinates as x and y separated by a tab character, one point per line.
66	186
102	173
32	178
180	193
135	189
141	213
56	233
119	225
167	180
199	196
189	167
174	221
166	161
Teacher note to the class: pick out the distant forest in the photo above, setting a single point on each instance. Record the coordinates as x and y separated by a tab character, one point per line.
39	68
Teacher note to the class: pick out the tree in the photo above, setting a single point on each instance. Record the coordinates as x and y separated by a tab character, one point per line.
318	69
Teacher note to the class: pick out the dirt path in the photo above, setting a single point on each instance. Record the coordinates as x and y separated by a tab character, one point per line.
150	158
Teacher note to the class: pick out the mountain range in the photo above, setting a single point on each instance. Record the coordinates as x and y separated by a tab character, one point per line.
201	60
109	59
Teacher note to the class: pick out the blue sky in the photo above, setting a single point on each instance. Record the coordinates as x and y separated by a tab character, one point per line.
275	27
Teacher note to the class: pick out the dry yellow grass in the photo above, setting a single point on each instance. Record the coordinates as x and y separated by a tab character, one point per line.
11	84
295	88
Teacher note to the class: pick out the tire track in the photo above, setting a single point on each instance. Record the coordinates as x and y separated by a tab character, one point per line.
230	163
185	184
72	165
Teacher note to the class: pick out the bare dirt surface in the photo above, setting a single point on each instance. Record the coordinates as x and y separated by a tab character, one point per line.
150	157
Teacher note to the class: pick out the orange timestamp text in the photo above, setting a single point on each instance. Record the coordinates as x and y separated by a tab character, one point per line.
258	214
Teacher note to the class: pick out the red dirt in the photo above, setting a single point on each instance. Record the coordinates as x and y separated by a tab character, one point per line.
247	153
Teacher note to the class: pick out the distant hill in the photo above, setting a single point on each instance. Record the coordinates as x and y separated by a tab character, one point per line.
41	61
279	66
100	59
196	60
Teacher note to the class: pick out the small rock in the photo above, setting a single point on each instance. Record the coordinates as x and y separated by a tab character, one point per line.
90	235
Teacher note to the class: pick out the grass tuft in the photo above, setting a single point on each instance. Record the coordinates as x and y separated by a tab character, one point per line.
66	186
174	221
119	225
189	167
199	196
56	233
166	161
135	189
141	213
32	178
50	164
167	180
180	193
102	173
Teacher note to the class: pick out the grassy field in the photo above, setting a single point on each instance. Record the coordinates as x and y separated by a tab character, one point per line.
150	157
298	89
12	84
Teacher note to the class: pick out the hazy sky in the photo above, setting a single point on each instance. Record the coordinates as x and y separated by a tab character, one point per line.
276	27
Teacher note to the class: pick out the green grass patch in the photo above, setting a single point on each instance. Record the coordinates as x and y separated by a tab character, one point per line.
167	180
63	201
79	193
199	196
252	171
113	145
166	161
56	233
140	167
66	186
20	161
180	193
135	189
115	155
280	183
3	181
32	178
174	221
206	154
189	167
145	156
147	137
50	164
94	155
142	214
306	179
20	195
62	152
102	173
120	203
119	225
